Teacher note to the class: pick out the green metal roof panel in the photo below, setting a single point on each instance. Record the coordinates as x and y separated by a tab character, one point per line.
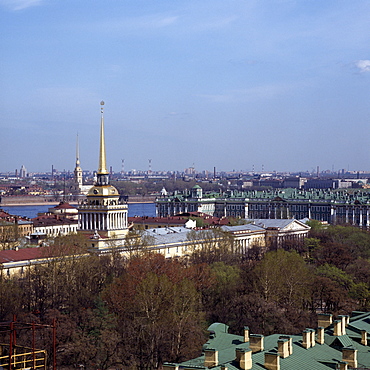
325	356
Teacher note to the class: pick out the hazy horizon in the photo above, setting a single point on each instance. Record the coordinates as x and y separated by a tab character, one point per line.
231	84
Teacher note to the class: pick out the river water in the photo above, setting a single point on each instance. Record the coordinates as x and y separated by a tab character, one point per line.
31	211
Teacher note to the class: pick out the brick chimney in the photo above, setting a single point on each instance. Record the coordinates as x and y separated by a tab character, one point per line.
349	355
364	337
320	335
244	358
343	365
306	339
272	361
283	348
313	337
210	357
256	342
338	327
290	343
324	319
246	334
343	318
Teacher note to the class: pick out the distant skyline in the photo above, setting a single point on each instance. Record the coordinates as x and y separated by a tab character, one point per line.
229	84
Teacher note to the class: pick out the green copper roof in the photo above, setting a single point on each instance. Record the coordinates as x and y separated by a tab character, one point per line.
334	196
320	356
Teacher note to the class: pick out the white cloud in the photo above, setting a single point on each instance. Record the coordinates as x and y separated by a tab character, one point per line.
19	4
363	65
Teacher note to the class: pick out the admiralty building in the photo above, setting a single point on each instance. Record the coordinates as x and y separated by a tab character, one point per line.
334	206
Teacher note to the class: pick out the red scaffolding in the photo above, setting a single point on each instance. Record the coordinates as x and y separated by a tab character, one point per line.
13	356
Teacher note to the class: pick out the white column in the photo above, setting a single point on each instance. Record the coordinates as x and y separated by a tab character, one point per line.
332	215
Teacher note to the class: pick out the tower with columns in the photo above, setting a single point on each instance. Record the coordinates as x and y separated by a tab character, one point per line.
103	213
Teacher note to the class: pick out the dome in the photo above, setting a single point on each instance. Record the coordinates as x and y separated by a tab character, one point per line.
105	191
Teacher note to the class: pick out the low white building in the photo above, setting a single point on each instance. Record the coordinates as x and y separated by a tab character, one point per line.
54	225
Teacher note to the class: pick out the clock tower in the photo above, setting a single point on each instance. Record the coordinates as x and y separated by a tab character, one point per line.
103	213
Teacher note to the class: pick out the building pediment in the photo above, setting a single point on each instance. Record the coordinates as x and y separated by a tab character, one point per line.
279	199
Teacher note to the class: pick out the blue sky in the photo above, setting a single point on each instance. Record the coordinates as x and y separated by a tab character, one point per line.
234	84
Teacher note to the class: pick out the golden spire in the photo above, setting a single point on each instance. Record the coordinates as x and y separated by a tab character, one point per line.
77	153
102	169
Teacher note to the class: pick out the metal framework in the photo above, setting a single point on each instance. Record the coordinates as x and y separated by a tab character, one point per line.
13	356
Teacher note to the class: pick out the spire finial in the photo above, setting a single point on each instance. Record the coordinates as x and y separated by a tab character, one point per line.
77	152
102	159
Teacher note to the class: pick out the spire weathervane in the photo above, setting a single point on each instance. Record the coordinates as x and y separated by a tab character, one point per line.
102	169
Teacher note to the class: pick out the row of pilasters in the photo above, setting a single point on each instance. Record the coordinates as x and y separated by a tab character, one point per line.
103	221
352	215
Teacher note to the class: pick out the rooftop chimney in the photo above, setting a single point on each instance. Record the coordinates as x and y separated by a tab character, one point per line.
256	342
338	327
364	337
244	357
349	354
290	342
306	339
312	333
272	361
343	365
246	334
343	318
320	335
283	348
210	357
325	319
